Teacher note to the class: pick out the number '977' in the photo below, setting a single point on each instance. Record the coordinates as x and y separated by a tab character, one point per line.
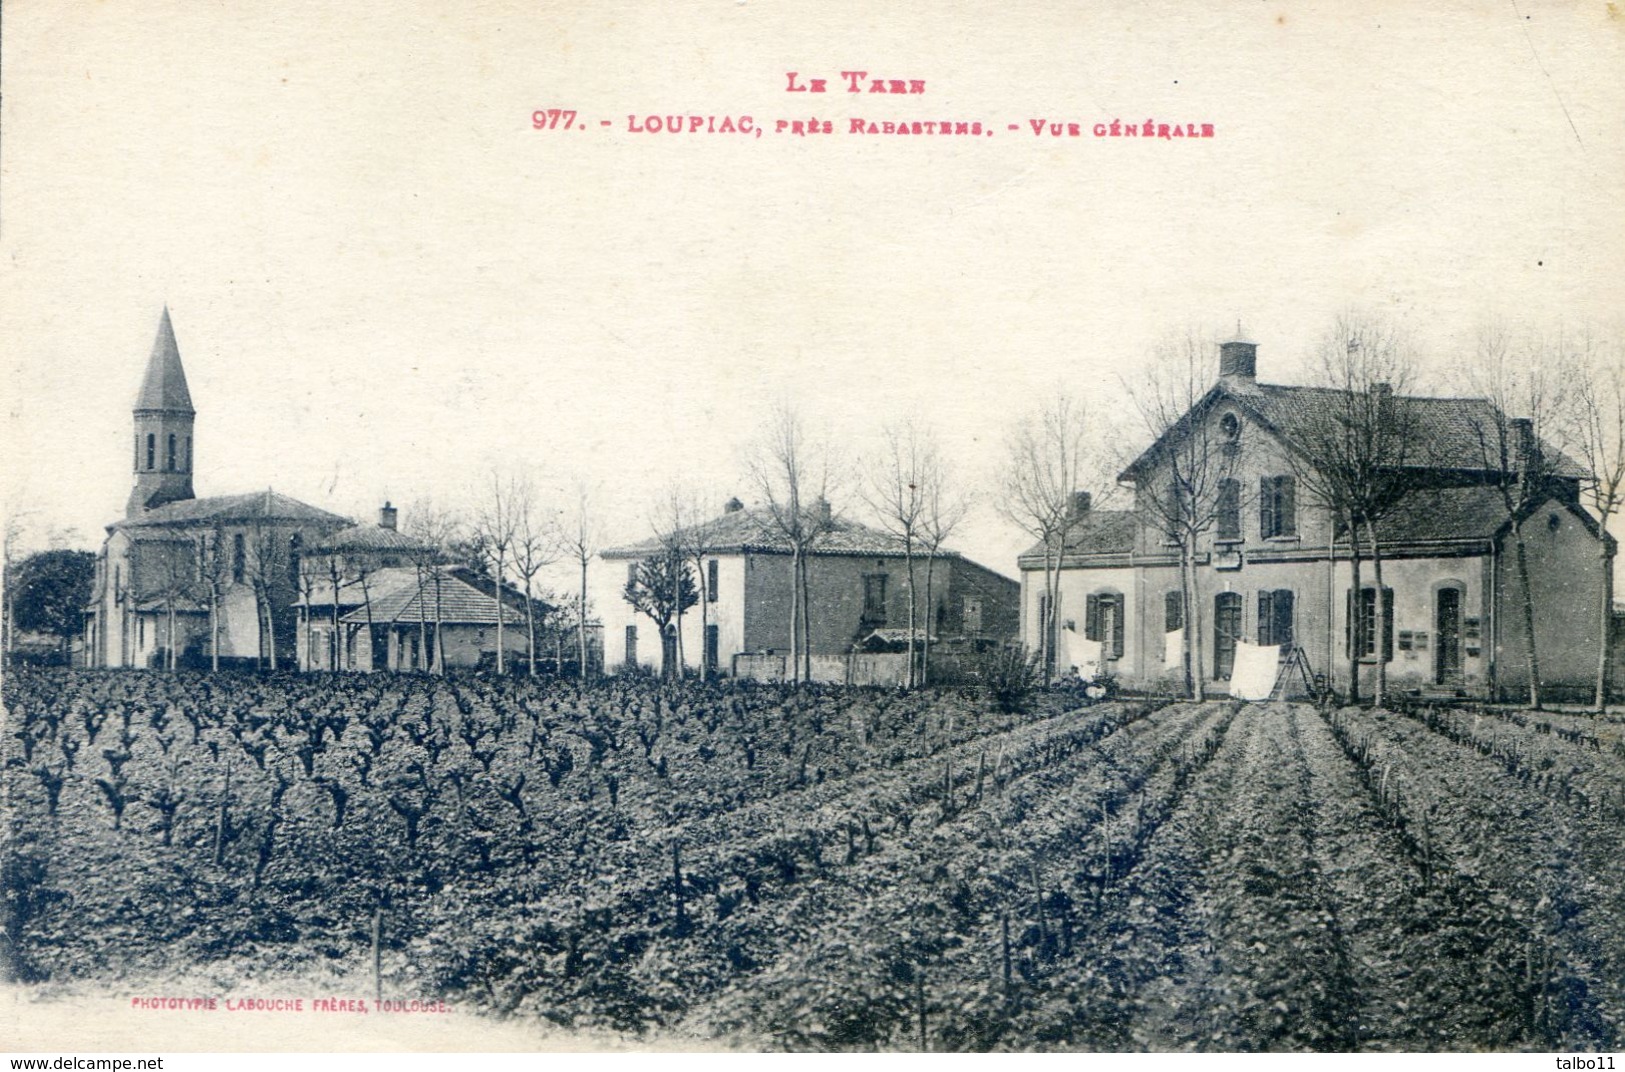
552	119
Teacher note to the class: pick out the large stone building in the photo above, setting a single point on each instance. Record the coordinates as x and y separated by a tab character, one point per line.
1275	568
857	587
184	580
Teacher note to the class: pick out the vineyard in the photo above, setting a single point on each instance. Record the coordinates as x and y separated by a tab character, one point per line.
829	869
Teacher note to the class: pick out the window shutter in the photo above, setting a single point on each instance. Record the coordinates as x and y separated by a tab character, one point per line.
1173	611
1287	511
1348	622
1229	510
1091	618
1266	617
1282	620
1266	507
1117	627
1387	625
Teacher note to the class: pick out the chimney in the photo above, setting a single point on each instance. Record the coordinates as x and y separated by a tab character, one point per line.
1521	445
1238	363
1383	395
386	517
733	506
1080	503
822	511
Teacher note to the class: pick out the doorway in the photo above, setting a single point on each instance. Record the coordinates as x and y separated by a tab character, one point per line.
1226	631
1447	637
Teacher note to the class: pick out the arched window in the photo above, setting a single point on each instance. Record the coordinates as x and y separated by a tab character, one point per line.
152	451
188	468
170	459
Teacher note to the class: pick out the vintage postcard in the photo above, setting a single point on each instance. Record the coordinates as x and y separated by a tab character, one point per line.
813	527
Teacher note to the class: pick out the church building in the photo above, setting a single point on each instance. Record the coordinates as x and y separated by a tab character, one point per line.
187	581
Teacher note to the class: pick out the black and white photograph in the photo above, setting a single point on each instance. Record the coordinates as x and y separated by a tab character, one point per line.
804	528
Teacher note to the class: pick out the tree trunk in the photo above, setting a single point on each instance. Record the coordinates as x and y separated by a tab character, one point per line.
1190	613
1356	640
794	664
214	628
1379	622
270	630
501	664
705	617
1526	597
530	628
1605	626
338	649
806	622
439	629
908	565
581	624
930	613
423	623
169	611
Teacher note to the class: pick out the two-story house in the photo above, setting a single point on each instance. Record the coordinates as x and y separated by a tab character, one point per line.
1274	565
857	587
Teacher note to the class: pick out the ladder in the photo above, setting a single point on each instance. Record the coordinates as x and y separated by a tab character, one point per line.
1295	661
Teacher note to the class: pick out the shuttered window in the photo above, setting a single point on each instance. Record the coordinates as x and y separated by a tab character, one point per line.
1173	611
1277	506
1229	510
1360	628
1275	617
1103	622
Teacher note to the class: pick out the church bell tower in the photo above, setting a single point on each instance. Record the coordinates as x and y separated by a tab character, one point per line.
163	428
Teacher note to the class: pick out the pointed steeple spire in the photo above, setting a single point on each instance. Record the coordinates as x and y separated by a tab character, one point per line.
164	386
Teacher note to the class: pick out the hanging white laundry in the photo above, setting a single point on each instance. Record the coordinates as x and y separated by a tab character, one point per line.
1173	651
1082	654
1253	675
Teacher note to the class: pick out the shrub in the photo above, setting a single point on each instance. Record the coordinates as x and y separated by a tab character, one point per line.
1009	676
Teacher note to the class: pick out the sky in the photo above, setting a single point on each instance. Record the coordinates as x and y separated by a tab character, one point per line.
386	283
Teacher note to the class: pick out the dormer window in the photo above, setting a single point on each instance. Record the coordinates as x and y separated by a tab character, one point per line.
1230	429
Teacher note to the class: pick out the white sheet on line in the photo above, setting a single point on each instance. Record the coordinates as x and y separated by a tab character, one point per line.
1255	670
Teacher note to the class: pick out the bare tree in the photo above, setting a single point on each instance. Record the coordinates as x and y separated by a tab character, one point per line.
1355	459
1518	377
1595	370
432	530
267	573
946	506
683	526
496	526
1188	480
896	489
177	579
794	478
579	536
1046	461
534	549
215	566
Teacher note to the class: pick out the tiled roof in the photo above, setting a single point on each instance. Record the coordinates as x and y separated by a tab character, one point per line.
1433	515
164	385
370	538
260	506
1099	532
1450	433
459	602
754	531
